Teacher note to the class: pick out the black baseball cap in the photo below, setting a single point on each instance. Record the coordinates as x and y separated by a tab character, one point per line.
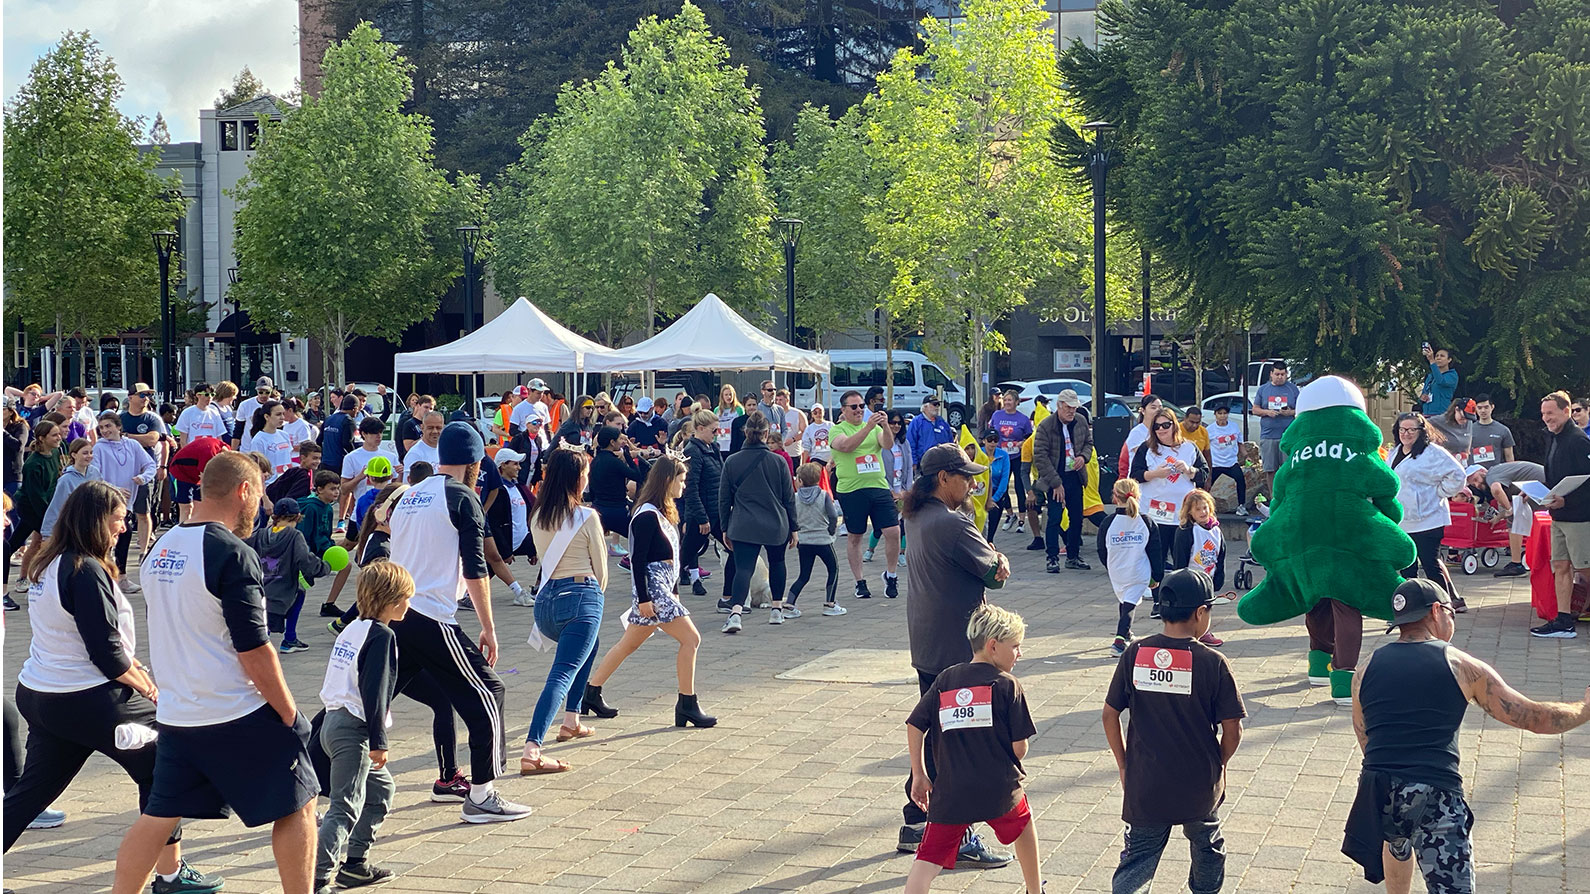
1187	588
1411	601
948	458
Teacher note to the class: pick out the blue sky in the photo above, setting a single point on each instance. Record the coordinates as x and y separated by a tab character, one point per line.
173	55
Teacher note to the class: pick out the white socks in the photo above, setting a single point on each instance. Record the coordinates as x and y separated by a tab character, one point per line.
479	793
517	588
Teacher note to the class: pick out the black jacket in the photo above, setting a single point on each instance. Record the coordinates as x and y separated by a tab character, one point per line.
699	505
756	499
1569	454
609	472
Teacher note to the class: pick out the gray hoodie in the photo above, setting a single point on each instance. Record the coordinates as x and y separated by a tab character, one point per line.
71	479
283	556
817	516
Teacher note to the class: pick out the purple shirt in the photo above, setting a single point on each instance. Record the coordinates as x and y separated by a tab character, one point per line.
1013	429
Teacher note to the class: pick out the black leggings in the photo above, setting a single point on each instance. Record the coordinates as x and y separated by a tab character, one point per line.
1428	544
15	754
425	690
1019	473
695	546
1123	626
461	672
17	538
745	566
64	728
810	554
1235	473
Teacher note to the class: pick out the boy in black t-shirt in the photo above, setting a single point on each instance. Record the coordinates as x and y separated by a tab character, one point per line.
977	715
1173	766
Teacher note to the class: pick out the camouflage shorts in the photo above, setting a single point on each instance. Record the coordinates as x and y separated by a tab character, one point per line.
1432	825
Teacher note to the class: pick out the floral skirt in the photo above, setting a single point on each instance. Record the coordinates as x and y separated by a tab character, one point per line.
662	579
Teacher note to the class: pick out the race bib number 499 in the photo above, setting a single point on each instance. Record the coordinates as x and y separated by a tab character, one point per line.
1163	670
967	708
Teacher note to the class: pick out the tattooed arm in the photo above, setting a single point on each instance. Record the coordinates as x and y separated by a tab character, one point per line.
1359	729
1485	687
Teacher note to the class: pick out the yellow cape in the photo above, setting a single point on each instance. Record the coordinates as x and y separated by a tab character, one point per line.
1090	487
979	482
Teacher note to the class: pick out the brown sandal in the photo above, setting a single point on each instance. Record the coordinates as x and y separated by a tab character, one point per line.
542	766
578	731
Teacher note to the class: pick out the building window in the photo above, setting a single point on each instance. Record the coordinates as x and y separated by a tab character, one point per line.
250	135
230	137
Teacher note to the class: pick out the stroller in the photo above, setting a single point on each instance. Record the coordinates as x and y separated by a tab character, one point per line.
1477	536
1243	578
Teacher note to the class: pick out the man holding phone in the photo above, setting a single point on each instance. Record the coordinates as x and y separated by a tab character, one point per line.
858	442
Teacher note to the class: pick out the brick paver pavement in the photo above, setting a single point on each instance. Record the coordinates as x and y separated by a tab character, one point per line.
799	787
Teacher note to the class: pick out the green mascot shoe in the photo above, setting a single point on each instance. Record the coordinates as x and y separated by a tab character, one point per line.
1319	667
1342	687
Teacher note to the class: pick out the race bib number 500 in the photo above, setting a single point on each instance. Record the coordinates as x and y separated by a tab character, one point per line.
967	708
1163	670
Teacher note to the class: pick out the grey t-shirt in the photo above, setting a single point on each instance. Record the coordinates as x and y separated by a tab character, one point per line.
1276	397
1508	475
948	573
1489	441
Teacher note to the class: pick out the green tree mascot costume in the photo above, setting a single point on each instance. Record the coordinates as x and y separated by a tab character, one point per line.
1331	548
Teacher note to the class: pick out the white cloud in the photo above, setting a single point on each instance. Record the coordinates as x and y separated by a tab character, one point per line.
173	55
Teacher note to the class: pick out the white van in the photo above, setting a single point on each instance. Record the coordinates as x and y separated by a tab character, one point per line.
915	377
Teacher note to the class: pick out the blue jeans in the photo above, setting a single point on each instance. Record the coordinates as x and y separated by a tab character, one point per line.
569	612
1145	843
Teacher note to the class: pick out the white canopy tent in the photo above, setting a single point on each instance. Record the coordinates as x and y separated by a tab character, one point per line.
710	336
522	339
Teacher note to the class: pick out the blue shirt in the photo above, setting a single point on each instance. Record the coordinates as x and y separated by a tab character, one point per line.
998	474
924	433
1275	397
1441	386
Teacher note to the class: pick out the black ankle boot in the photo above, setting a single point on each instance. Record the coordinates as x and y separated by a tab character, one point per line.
593	703
686	710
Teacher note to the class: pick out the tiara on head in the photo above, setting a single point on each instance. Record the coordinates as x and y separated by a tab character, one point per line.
677	456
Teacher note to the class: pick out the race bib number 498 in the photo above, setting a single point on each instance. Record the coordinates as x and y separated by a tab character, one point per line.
1163	670
970	707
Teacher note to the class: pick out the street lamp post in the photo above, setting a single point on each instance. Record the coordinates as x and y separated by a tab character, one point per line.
1099	161
790	229
470	236
237	338
165	246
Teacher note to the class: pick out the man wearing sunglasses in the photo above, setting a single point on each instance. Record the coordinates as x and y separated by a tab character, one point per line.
1409	699
1580	413
140	423
858	442
203	419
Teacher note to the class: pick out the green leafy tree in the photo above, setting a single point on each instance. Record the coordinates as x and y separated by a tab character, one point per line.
347	227
975	210
644	191
1364	177
80	201
245	86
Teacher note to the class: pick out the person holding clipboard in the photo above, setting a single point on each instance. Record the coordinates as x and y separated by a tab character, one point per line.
1567	469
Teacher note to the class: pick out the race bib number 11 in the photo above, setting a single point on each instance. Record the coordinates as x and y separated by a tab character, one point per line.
967	708
1163	670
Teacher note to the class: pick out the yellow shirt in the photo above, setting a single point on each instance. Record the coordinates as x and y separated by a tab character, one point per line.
1199	437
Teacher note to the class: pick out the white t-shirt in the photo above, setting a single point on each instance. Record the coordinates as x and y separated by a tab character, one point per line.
422	452
1223	443
245	411
85	415
205	423
1161	502
815	441
299	431
353	466
521	524
1126	551
57	659
277	447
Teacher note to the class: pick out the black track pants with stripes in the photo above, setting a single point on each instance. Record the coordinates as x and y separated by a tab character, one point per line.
461	671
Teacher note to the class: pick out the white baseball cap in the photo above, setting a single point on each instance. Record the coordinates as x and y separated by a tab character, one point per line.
508	456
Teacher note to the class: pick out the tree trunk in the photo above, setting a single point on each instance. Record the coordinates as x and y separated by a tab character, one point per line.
340	369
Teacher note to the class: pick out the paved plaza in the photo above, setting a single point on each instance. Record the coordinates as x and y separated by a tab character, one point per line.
799	787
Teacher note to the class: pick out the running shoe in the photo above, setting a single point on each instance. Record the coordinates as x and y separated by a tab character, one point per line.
336	627
130	586
1153	613
1021	526
11	604
1242	511
616	551
732	624
188	881
1511	569
703	573
867	556
1557	628
21	586
358	875
624	563
974	854
294	645
775	617
861	590
48	819
466	604
1005	525
723	606
494	809
901	563
891	586
451	790
525	599
910	838
1052	566
834	610
791	612
1118	648
1035	545
697	588
330	610
1209	639
1078	565
1459	605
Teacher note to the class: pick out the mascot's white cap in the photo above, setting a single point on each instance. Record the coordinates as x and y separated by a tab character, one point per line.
1330	391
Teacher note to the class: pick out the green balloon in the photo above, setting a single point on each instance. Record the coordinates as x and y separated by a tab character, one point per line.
336	557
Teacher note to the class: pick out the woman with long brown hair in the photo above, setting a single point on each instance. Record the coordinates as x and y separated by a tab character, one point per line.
654	569
81	688
1169	467
32	499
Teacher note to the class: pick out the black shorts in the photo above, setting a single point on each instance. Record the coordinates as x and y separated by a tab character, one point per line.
184	492
869	502
254	766
615	519
140	503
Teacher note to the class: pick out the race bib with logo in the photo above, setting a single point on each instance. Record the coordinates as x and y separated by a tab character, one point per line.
1162	511
969	708
868	463
1483	455
1278	401
1225	440
1163	670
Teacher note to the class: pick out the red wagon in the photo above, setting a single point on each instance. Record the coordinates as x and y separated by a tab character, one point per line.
1477	536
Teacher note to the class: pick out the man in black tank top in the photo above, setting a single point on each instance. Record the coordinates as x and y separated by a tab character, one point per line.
1408	702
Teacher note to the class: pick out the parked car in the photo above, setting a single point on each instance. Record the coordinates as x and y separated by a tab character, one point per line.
1182	383
1029	391
1231	400
915	377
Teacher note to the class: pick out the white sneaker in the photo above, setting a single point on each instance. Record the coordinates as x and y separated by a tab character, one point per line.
866	556
525	599
130	586
616	551
1242	511
791	612
1005	525
776	616
21	586
732	625
493	810
835	610
901	563
1021	526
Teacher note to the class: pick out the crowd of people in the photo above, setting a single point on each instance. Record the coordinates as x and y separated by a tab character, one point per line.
258	499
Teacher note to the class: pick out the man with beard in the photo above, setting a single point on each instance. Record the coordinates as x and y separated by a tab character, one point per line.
439	535
231	737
